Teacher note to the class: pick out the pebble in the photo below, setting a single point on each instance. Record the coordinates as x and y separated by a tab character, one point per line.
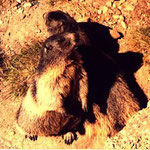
109	4
105	9
121	18
20	10
116	16
114	33
27	5
114	5
124	25
121	2
129	7
99	11
19	1
1	22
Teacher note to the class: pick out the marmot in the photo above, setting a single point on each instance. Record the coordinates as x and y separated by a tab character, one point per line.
55	101
111	101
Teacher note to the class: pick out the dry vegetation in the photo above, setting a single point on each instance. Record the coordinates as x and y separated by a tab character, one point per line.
21	69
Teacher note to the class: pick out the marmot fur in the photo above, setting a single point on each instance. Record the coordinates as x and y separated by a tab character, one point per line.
55	101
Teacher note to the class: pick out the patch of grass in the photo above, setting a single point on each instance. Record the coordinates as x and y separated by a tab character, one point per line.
145	31
142	39
21	69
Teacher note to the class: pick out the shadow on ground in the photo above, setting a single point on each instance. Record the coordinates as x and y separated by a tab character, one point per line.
103	62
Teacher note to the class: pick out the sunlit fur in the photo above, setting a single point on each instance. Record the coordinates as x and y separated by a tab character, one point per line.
60	81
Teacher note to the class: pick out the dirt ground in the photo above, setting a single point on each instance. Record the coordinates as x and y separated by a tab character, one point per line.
22	24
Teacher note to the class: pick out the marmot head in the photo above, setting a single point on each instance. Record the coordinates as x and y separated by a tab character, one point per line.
58	47
58	22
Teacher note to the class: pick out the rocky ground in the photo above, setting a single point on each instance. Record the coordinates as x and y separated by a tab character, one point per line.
22	24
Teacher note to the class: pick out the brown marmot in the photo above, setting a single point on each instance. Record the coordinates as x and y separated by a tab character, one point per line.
55	101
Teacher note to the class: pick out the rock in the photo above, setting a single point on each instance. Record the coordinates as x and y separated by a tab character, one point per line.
109	4
105	9
99	11
20	10
114	5
121	18
123	24
19	1
1	22
114	33
116	16
120	7
84	19
129	7
121	2
27	5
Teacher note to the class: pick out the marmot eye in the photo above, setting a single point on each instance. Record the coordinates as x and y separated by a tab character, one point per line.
50	47
61	39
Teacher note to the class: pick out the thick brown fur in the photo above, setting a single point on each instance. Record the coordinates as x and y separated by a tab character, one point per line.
58	22
57	87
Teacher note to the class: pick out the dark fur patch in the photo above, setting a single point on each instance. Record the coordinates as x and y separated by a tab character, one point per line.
34	89
18	112
55	123
58	22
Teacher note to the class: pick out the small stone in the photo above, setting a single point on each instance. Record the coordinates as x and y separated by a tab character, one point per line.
1	22
39	31
99	11
109	4
20	10
124	25
121	2
105	9
27	5
114	33
129	7
116	16
114	5
121	18
19	1
84	19
119	7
